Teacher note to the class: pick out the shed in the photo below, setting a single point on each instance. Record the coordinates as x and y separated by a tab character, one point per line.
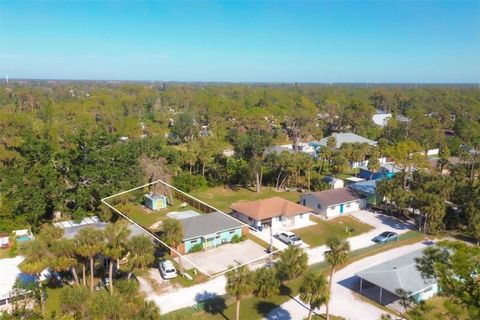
155	201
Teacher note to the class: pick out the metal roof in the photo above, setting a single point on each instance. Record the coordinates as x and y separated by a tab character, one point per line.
335	196
369	186
208	224
348	137
398	273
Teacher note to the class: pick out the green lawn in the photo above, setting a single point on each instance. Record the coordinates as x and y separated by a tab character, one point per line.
318	234
435	307
146	218
4	253
222	198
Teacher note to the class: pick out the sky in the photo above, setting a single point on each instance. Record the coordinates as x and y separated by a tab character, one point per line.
250	41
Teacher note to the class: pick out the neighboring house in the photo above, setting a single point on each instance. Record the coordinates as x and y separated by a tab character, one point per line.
334	183
23	235
304	147
352	180
274	212
387	170
209	231
367	189
334	202
72	228
4	240
342	138
9	275
398	273
155	201
381	119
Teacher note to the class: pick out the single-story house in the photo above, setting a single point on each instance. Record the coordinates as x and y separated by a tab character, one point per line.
342	138
72	228
334	183
274	212
387	170
367	189
334	202
381	118
4	240
398	273
10	274
209	230
155	201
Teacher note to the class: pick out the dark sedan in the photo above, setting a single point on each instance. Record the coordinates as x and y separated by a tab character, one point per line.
385	237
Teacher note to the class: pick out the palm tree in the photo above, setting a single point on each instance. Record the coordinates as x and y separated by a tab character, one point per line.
292	262
373	165
239	284
267	283
37	258
116	235
337	254
405	299
140	253
89	243
314	291
65	259
172	235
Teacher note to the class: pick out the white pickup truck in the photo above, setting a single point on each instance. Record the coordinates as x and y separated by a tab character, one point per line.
289	238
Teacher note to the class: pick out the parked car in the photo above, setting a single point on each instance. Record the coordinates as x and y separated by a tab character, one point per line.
106	280
167	269
385	237
289	238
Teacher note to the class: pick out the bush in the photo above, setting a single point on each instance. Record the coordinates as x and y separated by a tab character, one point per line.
196	248
187	182
236	239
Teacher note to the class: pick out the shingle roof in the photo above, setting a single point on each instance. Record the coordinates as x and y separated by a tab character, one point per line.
206	224
335	196
348	137
398	273
269	208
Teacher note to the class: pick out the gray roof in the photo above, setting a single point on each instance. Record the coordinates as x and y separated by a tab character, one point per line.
71	232
365	187
335	196
348	137
398	273
207	224
278	150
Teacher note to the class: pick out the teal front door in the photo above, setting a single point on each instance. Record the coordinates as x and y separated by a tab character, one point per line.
341	208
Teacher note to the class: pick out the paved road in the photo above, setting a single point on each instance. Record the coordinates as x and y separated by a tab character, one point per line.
187	297
343	300
380	223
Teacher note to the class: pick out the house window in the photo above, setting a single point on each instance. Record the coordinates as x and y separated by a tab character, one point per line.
301	215
348	205
218	236
304	201
250	219
193	241
319	206
232	232
3	302
332	208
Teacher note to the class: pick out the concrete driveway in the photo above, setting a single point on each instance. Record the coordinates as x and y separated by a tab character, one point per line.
344	302
225	256
380	223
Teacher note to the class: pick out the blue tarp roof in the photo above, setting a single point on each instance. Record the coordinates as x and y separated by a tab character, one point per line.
365	186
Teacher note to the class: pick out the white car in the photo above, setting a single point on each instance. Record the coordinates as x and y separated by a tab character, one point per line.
167	269
289	238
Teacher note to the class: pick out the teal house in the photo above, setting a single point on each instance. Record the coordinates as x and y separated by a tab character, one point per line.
155	201
209	231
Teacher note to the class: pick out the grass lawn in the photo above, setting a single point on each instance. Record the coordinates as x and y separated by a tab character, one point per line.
52	303
146	218
318	234
435	306
222	198
4	253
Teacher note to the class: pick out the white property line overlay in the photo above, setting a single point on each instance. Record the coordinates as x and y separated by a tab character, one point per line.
166	245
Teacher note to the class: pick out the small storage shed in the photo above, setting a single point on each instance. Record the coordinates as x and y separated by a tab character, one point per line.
155	201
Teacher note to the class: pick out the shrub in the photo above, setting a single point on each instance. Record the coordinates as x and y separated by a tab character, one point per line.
236	239
187	182
196	248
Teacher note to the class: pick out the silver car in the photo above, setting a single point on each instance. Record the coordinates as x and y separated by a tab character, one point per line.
167	269
289	238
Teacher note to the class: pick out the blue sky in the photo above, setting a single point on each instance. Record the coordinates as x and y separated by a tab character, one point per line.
265	41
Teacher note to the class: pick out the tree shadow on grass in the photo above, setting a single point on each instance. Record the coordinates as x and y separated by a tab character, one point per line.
213	305
285	291
265	307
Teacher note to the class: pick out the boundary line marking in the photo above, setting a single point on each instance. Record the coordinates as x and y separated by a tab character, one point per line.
152	235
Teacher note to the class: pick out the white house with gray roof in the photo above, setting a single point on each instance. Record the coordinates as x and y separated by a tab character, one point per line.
399	273
342	138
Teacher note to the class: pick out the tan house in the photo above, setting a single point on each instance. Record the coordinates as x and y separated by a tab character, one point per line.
274	212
